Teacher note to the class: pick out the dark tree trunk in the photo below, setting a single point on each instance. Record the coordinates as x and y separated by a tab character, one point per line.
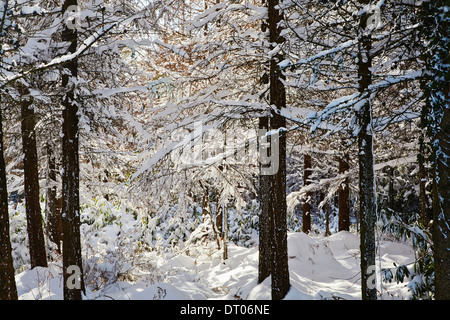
327	219
422	158
441	194
225	233
391	191
441	211
367	215
31	176
278	208
264	261
423	199
72	261
366	169
53	212
219	219
264	265
306	206
208	210
343	195
436	114
8	290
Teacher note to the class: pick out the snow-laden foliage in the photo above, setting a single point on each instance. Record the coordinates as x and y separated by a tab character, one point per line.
115	236
169	96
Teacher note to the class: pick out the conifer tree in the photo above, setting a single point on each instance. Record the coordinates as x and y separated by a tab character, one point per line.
366	161
31	176
8	290
72	262
435	25
277	207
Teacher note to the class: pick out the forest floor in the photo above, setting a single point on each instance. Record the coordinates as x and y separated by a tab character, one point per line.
320	268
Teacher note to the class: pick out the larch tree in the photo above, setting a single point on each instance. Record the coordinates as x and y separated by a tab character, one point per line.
12	39
265	185
278	207
435	25
264	246
72	262
207	60
306	206
8	290
360	54
74	108
31	176
36	23
343	194
367	201
217	60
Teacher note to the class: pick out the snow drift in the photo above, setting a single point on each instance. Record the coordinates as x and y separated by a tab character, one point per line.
320	268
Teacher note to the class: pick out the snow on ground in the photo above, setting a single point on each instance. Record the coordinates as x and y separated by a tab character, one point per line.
320	268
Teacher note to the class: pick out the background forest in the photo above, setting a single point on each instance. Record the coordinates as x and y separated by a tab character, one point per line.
141	137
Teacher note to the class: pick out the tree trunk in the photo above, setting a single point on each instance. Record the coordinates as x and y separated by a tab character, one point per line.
441	210
264	264
422	158
343	195
208	210
423	200
264	261
219	219
278	208
306	206
391	191
436	114
225	232
327	219
441	194
31	176
53	213
8	290
366	169
72	261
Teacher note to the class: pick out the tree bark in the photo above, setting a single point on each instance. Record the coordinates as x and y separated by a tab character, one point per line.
391	191
225	232
72	261
219	219
441	186
422	159
327	219
306	206
264	262
343	195
31	176
441	210
278	208
436	114
423	199
366	169
53	212
8	289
